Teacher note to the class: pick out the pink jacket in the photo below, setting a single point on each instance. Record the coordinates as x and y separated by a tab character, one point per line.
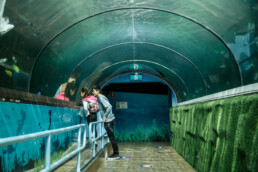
90	98
61	96
86	101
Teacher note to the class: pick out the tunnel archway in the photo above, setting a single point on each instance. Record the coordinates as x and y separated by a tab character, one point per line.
151	44
132	13
140	105
108	72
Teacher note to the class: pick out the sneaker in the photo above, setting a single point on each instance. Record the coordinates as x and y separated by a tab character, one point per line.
113	157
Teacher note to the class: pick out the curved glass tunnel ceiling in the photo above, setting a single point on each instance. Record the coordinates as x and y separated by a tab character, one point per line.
177	68
203	62
178	41
107	73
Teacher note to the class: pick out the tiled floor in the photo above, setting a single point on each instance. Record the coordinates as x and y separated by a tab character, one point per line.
163	158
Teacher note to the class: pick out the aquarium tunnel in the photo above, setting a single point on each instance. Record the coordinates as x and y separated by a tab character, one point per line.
181	76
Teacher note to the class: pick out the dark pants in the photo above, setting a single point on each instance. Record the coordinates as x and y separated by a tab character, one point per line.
92	118
109	126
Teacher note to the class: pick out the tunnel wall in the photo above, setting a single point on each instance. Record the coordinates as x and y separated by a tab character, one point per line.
20	119
218	135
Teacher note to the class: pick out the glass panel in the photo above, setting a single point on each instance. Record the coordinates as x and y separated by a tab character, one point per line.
35	23
105	73
149	29
159	57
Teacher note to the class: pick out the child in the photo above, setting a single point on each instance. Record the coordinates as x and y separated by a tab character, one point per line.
90	107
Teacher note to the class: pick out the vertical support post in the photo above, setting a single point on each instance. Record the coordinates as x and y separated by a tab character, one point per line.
90	134
78	147
94	133
93	140
47	153
101	133
84	137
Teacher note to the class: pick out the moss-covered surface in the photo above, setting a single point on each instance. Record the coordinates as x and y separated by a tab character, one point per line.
142	134
219	135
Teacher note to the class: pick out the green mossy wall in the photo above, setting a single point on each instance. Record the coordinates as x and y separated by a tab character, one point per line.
218	135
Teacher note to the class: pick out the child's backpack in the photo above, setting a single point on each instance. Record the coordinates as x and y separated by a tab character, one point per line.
93	107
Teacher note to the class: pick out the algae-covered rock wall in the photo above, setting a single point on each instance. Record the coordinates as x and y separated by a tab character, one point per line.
219	135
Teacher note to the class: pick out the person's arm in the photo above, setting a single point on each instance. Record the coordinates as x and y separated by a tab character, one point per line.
107	106
86	107
58	91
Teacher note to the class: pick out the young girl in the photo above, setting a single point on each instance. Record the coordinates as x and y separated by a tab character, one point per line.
89	102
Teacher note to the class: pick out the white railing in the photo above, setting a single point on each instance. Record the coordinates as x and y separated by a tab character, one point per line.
101	135
48	134
243	90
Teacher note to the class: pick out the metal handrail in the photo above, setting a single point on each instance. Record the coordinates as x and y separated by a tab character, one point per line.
48	165
238	91
101	135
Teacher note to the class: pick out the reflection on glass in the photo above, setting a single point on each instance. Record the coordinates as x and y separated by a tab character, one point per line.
66	89
20	46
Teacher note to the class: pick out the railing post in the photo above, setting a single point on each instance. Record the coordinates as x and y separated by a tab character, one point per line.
78	147
48	150
47	138
93	140
90	134
84	136
101	134
102	137
94	132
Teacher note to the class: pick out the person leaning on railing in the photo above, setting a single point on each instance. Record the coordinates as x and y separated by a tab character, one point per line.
105	109
90	110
